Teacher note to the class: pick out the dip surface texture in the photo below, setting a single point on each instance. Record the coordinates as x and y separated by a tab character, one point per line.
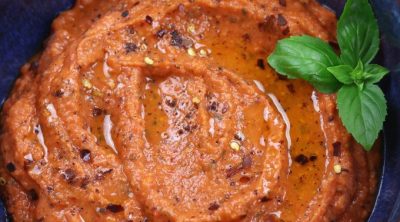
166	111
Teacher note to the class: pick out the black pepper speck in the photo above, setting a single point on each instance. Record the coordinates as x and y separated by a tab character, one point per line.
301	159
85	155
68	175
261	64
281	20
131	47
115	208
10	167
149	19
125	13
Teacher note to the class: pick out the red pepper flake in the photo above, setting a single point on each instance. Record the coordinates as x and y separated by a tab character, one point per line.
291	88
244	179
246	37
282	3
267	24
281	20
85	155
10	167
337	149
213	206
301	159
286	31
149	19
265	199
232	172
136	3
115	208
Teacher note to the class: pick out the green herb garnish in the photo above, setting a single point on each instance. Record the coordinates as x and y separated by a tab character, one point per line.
361	103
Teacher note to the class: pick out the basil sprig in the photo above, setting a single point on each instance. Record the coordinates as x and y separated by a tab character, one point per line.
361	103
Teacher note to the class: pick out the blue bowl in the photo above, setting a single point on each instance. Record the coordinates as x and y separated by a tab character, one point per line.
24	25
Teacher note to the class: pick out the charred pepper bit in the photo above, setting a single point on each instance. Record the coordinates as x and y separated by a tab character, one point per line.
337	149
281	20
161	33
149	19
115	208
58	93
313	158
87	84
68	175
337	168
301	159
235	145
131	47
33	195
125	13
10	167
246	162
261	64
148	61
97	112
85	155
282	3
213	206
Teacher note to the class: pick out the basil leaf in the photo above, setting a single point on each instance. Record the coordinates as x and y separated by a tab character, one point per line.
374	73
362	112
358	75
342	73
358	33
307	58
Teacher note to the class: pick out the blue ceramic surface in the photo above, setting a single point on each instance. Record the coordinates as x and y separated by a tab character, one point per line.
25	24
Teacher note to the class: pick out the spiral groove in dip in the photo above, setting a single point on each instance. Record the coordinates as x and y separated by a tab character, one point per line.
166	111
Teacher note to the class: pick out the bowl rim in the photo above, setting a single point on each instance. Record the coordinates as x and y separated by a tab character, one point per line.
387	203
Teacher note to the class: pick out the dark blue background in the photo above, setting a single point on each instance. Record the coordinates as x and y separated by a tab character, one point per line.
25	24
